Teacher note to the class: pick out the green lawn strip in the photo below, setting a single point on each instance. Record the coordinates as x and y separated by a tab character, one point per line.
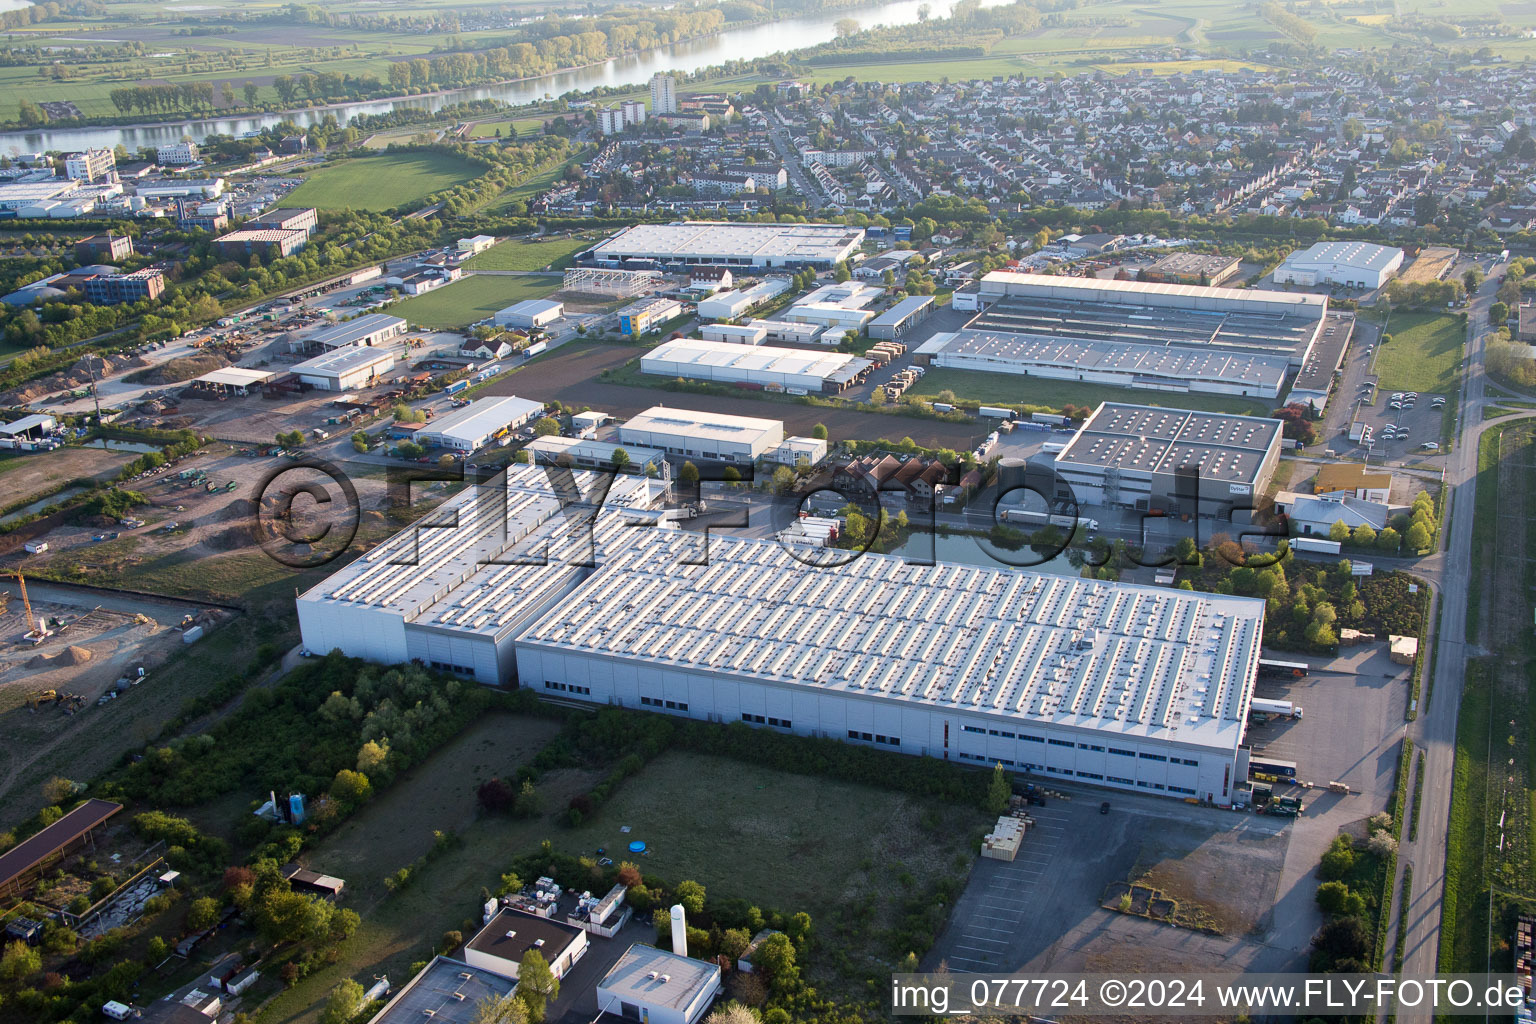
1464	913
472	298
1418	799
1404	895
1389	864
981	388
1484	528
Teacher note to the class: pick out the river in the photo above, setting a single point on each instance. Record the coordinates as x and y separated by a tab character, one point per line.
747	43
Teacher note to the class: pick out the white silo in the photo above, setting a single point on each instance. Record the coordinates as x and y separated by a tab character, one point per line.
679	930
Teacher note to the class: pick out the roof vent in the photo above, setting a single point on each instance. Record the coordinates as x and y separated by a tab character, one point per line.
666	977
511	935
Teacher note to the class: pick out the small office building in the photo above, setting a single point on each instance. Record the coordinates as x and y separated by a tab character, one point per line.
500	946
658	987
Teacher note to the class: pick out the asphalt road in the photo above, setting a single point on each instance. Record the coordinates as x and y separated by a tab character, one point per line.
1434	732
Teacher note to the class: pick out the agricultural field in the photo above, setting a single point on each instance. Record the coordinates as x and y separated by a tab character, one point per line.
531	254
1424	354
380	182
1016	389
473	298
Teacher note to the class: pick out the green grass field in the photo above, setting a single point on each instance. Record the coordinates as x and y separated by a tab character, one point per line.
735	827
531	254
472	298
1015	389
1424	355
380	182
508	128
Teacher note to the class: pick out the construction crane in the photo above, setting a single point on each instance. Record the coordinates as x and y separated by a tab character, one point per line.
25	601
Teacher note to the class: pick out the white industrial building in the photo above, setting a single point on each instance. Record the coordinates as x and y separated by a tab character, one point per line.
731	304
1134	687
1156	368
500	946
1351	264
688	433
736	334
788	332
790	452
897	320
658	987
590	453
372	329
730	244
530	313
760	365
454	597
473	426
344	369
1169	460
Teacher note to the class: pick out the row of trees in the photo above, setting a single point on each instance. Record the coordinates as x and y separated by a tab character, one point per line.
163	99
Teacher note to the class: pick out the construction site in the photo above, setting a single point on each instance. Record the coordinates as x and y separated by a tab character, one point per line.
67	655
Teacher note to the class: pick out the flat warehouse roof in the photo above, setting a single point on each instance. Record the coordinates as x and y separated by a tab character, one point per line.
1150	293
342	360
1356	255
894	316
1149	361
405	576
445	992
1124	660
235	376
481	417
1230	330
749	358
353	331
649	976
1148	439
722	239
716	426
533	307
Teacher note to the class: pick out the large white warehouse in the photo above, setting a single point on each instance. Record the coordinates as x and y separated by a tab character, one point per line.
759	365
1351	264
343	369
479	423
1133	687
730	244
702	435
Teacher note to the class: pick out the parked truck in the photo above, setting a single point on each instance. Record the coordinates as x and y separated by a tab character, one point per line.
1318	545
1280	708
995	412
455	387
1066	522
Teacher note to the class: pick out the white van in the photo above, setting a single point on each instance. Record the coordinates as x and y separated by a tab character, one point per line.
116	1010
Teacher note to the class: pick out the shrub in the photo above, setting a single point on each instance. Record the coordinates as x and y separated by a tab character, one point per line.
1338	860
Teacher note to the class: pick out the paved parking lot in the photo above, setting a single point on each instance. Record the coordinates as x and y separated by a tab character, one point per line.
1255	875
1003	895
1422	421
